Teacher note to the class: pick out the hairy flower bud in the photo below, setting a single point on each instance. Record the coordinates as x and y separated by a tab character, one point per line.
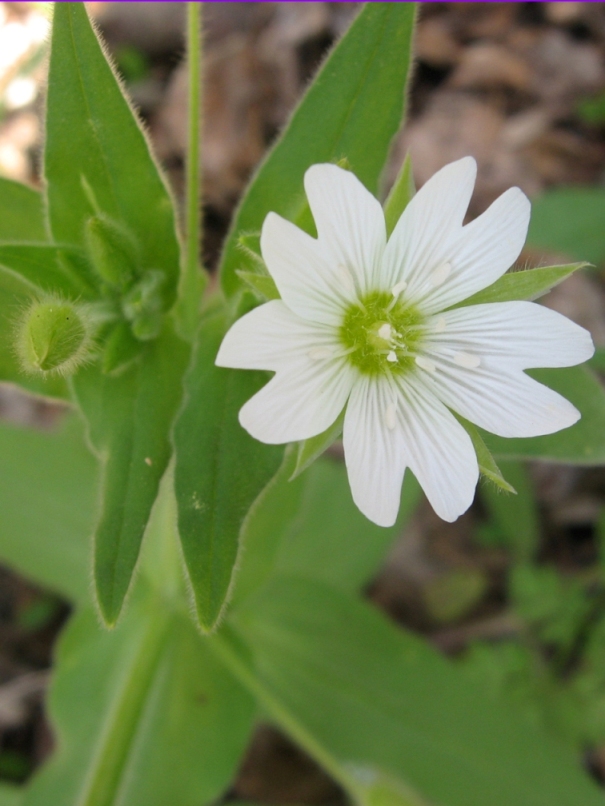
53	337
112	251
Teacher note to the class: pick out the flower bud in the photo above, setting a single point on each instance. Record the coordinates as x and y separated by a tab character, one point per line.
53	337
112	251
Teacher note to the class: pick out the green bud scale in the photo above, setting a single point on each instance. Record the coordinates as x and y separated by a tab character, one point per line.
53	337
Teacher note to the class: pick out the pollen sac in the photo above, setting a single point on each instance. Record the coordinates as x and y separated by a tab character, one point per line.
53	337
143	306
112	250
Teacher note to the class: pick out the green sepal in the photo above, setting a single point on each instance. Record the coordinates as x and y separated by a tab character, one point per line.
520	285
400	195
53	337
113	251
262	285
487	463
311	449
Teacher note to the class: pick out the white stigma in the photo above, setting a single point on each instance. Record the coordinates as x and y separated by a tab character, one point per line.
390	416
440	325
384	331
346	278
398	288
392	357
440	275
426	364
319	353
467	360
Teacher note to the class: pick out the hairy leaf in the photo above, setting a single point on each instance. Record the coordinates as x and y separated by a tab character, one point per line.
130	416
220	470
97	159
352	110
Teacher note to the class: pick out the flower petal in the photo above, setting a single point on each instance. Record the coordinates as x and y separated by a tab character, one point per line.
299	402
349	221
419	243
304	272
482	251
506	402
517	335
437	450
373	450
272	337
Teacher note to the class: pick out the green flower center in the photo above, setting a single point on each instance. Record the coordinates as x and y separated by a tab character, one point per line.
381	334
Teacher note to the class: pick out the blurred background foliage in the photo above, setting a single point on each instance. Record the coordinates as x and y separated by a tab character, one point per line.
515	590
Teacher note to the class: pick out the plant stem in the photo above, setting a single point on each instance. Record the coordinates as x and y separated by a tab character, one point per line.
193	279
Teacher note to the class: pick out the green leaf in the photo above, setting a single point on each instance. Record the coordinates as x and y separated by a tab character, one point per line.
266	525
21	212
15	296
11	795
331	540
367	699
311	449
529	284
145	714
51	268
97	159
400	195
129	416
310	526
515	518
353	109
570	221
486	462
220	470
583	443
48	498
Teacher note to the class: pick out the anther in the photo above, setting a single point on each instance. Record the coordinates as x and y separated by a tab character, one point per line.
398	288
384	331
440	325
467	360
319	353
390	416
440	275
426	364
392	357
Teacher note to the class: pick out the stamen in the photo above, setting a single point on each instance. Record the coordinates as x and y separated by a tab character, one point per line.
440	275
384	331
319	353
440	325
390	416
392	357
467	360
426	364
398	288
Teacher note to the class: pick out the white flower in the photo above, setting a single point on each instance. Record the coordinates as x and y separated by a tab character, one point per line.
365	324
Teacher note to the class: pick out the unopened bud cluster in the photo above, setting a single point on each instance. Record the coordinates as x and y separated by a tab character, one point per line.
56	336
